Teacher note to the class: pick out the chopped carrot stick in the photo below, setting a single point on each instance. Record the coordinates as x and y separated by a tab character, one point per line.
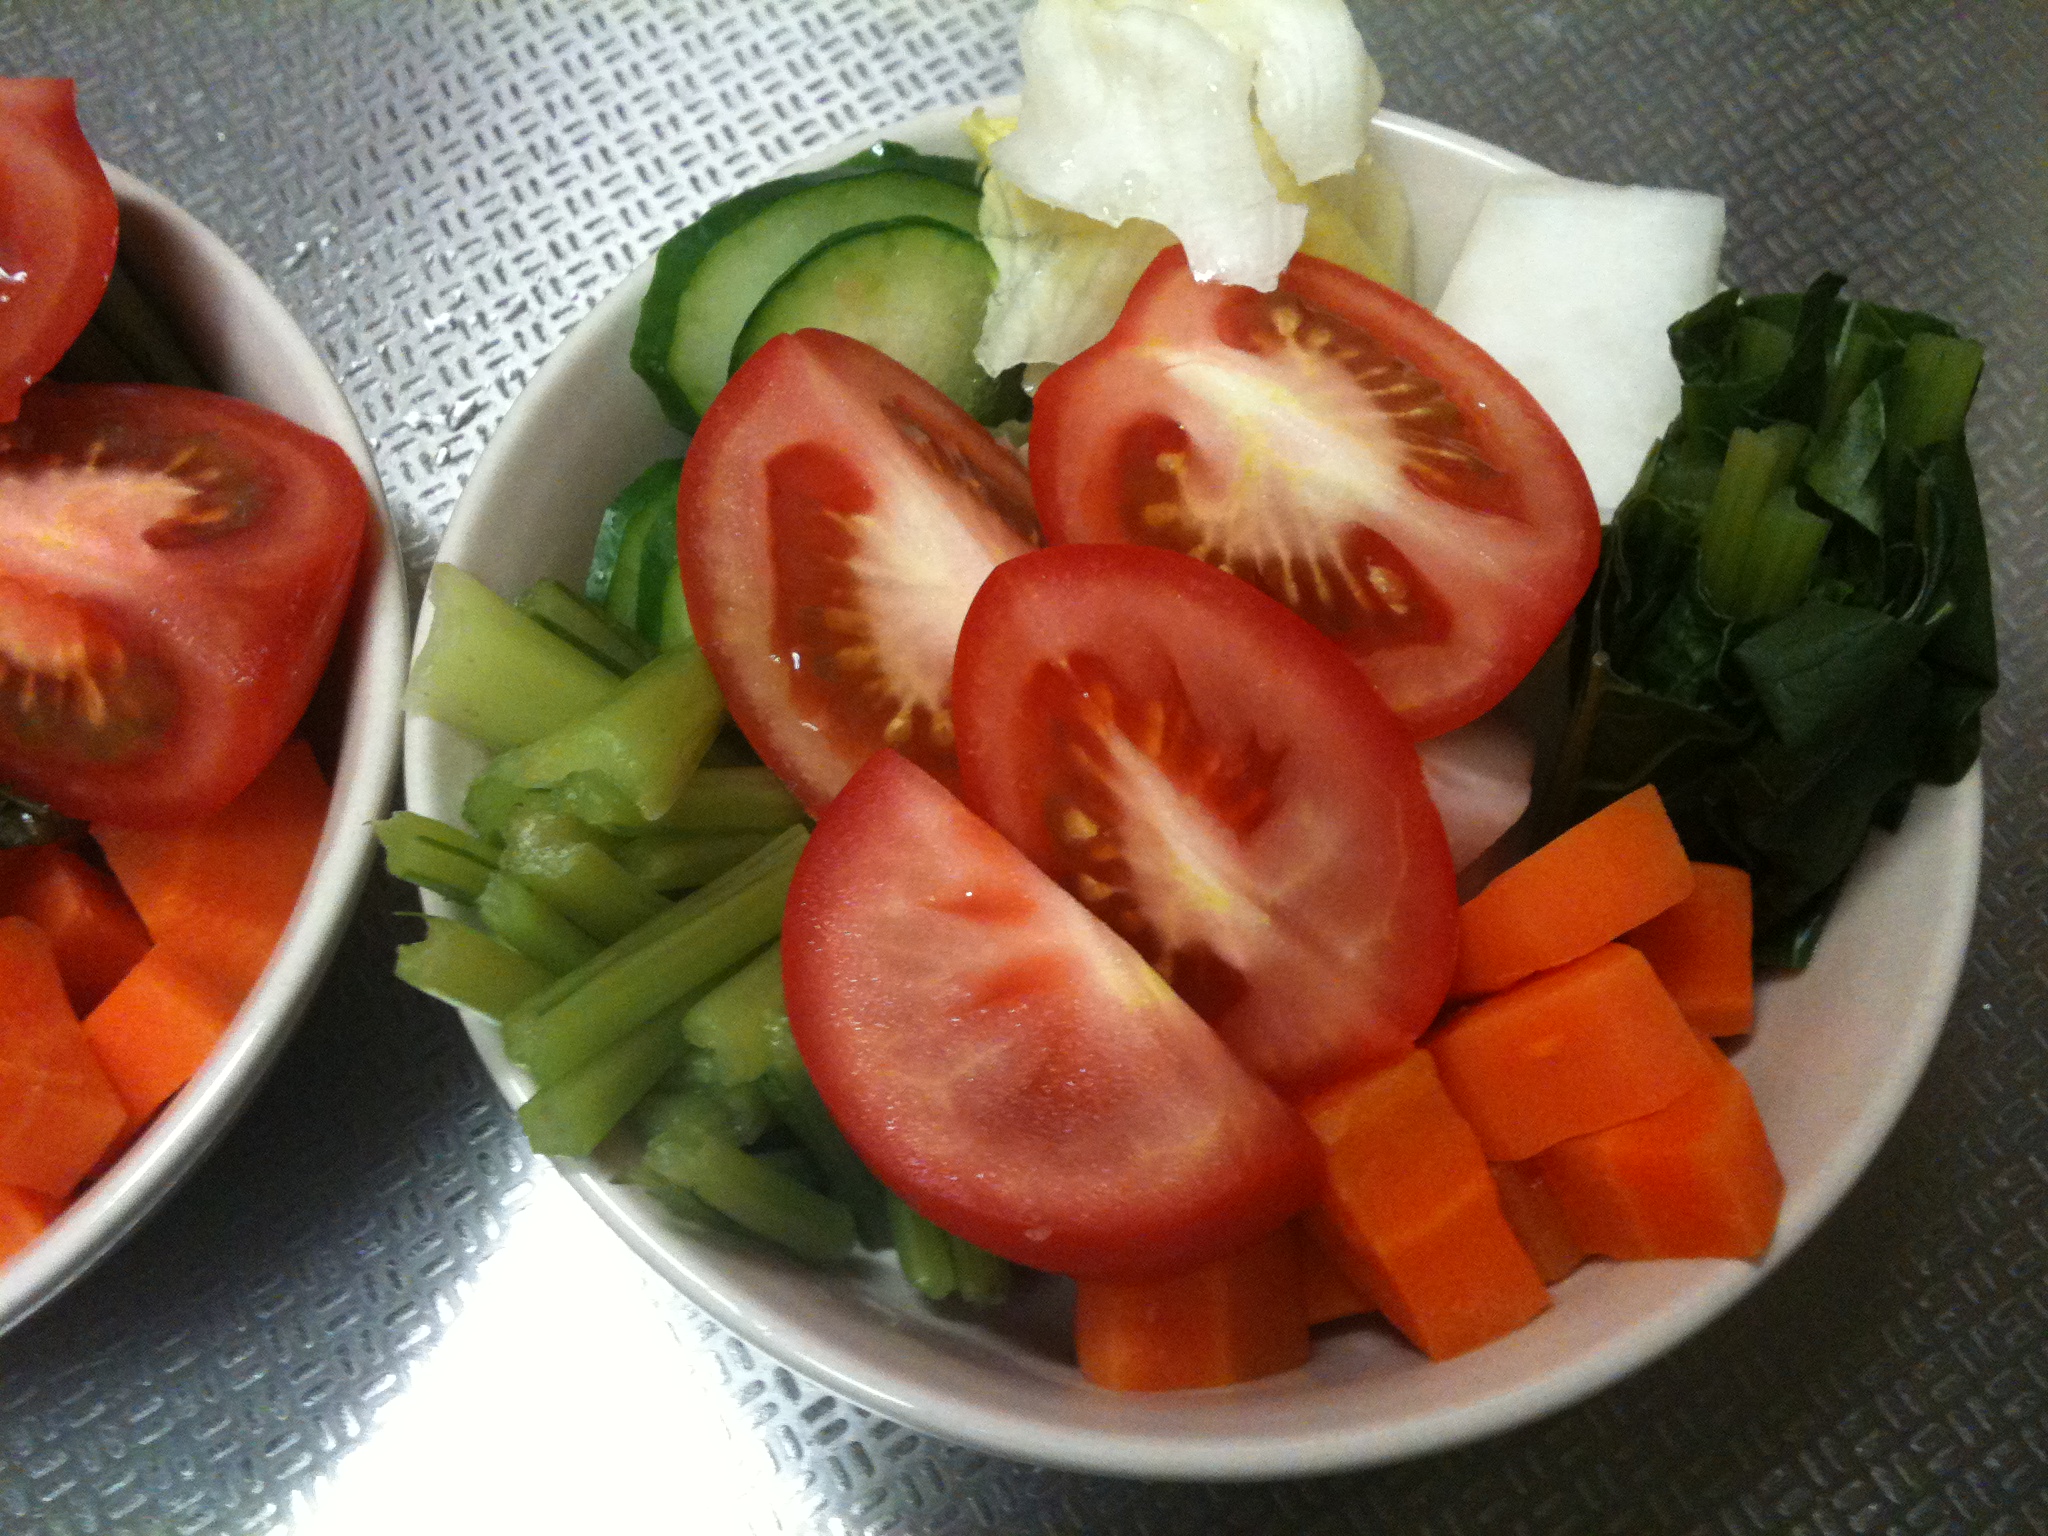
58	1112
1327	1293
1411	1214
92	929
155	1028
1700	951
1696	1179
1233	1319
1577	1049
222	889
24	1216
1614	871
1532	1210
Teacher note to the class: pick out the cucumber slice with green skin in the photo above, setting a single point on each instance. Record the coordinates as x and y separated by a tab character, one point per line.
633	573
710	275
914	288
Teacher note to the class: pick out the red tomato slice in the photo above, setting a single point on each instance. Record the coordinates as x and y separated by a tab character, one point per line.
1221	785
836	515
58	230
173	567
1343	450
1008	1065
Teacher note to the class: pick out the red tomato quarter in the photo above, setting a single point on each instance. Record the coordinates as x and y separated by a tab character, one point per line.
173	567
836	515
1007	1064
1343	450
1221	785
58	230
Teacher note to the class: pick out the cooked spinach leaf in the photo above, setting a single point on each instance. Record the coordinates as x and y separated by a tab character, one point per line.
1792	620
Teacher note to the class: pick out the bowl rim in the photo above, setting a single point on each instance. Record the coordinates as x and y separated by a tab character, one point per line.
376	634
811	1347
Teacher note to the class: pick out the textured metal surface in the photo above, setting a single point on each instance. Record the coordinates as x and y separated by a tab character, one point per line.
372	1309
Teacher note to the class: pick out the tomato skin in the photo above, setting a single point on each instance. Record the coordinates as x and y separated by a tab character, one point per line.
206	614
1008	1065
58	229
835	517
1207	772
1345	450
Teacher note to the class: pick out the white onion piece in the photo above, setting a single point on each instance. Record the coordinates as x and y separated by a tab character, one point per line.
1571	286
1479	777
1144	110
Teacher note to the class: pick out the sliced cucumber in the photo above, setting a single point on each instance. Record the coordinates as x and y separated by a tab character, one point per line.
633	568
710	275
914	288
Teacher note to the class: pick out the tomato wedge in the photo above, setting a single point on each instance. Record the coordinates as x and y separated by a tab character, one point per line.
1008	1065
1220	784
58	230
1345	451
173	567
836	515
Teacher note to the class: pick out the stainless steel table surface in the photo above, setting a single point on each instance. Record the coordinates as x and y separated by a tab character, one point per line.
373	1310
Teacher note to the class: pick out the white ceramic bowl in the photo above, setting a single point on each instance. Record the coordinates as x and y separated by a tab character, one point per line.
248	343
1835	1052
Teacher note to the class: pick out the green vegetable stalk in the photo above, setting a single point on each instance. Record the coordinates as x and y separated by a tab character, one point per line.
1791	625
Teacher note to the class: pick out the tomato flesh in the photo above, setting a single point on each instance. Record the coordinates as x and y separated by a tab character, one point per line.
1221	785
1007	1064
835	518
58	229
174	565
1342	450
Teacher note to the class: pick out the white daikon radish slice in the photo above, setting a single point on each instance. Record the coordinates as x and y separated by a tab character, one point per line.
1479	777
1571	286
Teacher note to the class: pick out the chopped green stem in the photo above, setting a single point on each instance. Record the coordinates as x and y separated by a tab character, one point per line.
570	1117
732	1020
1758	464
761	1198
1937	378
1847	375
1761	348
536	930
445	860
981	1277
795	1163
734	800
469	969
682	862
490	804
797	1104
661	963
495	675
1783	548
556	859
586	626
923	1249
646	739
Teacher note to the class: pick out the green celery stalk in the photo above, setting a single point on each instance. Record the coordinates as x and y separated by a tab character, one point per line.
445	860
570	1117
469	969
764	1200
532	927
923	1249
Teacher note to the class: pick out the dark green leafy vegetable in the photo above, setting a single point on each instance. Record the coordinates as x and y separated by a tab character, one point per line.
1792	621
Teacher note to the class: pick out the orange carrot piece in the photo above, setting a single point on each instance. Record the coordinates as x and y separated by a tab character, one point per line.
155	1028
1233	1319
221	890
58	1112
1532	1210
1614	871
1577	1049
92	929
1695	1180
24	1216
1327	1293
1700	951
1411	1214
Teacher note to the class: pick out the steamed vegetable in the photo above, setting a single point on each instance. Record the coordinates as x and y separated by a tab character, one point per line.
1571	286
1792	622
